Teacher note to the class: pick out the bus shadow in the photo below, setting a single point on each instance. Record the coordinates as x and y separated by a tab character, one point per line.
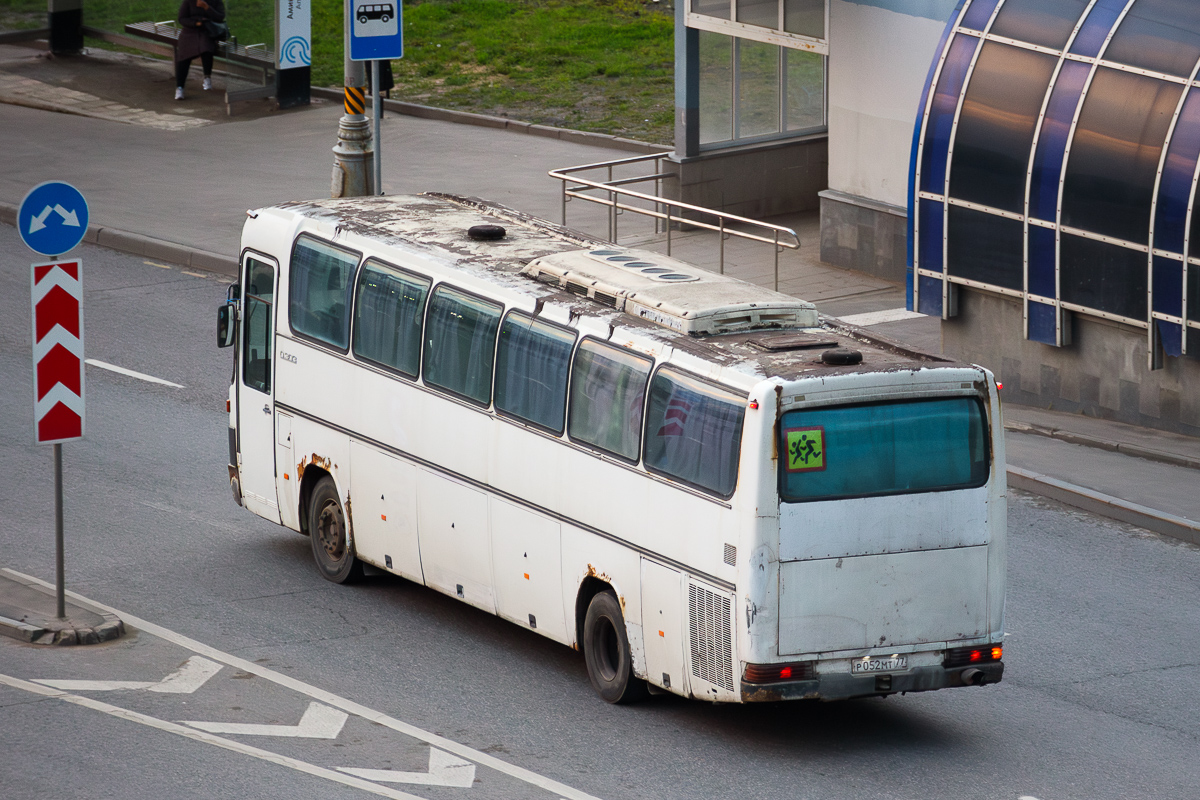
893	725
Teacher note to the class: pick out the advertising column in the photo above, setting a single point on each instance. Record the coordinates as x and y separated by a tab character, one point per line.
293	41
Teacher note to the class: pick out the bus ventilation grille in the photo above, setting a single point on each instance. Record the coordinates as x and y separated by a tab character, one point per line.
712	644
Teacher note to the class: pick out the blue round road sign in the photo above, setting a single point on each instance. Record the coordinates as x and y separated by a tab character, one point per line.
53	218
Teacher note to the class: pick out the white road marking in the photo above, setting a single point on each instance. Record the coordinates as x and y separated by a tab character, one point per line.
444	770
156	264
194	274
141	376
319	722
412	731
194	673
207	738
880	317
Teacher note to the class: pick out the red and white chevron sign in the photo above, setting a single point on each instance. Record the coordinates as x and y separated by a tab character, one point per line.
57	352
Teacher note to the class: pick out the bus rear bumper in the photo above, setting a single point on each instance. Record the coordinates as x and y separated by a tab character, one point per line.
846	686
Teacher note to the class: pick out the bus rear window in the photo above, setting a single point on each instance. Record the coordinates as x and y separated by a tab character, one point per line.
882	448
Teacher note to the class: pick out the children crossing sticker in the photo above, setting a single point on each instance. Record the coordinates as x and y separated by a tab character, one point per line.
805	449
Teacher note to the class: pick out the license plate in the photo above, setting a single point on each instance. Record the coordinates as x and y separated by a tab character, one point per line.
863	666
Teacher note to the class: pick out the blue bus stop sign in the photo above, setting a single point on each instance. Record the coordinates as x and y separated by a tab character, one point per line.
376	32
53	218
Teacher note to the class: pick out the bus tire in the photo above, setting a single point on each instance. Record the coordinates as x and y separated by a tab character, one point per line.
331	546
606	651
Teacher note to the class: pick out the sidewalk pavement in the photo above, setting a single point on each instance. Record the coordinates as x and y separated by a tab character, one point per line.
178	193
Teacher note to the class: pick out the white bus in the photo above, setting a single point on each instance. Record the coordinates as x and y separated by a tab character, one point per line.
703	485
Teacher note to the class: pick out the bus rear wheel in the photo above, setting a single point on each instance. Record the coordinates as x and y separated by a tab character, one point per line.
330	539
606	651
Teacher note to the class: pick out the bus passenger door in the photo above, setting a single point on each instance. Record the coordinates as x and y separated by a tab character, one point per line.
662	626
256	428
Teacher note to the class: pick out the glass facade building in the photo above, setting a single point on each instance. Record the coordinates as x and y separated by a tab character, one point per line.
1056	158
761	68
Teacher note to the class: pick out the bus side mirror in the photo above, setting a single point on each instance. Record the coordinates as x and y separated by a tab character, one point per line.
225	325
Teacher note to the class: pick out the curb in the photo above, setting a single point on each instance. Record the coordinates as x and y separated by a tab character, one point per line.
1103	444
111	628
141	245
1105	505
488	121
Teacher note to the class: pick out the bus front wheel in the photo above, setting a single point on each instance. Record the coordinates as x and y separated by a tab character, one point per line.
330	540
606	651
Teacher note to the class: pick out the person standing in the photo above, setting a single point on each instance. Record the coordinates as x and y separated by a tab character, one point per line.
195	40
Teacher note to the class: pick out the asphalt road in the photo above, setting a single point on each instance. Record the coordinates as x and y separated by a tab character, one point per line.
1099	698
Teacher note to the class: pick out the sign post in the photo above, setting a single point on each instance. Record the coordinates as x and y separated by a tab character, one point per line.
51	220
376	34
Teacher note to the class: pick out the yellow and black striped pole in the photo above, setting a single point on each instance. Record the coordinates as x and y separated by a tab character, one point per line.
356	100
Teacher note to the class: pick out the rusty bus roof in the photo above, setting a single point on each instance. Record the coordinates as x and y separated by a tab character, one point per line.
435	226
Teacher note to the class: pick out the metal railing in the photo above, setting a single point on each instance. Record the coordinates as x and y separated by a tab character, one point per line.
666	213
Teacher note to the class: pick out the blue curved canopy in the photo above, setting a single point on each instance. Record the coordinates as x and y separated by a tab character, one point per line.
1055	159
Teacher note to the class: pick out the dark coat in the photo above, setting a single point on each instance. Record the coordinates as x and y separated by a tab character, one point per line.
192	39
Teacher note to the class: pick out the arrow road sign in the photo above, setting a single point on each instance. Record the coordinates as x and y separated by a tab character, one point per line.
53	218
319	722
194	673
58	352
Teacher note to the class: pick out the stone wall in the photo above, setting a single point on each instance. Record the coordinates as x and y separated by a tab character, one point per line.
1103	373
754	181
862	234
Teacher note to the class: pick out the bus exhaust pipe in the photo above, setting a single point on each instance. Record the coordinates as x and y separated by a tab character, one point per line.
972	677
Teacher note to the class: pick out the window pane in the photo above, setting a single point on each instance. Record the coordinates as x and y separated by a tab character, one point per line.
805	91
759	12
388	313
805	17
995	129
1045	22
694	431
460	341
1159	35
716	87
883	448
533	359
758	88
608	388
711	8
318	294
256	347
985	247
1114	156
1103	276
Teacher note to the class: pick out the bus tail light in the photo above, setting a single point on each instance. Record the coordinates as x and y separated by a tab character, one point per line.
773	673
965	656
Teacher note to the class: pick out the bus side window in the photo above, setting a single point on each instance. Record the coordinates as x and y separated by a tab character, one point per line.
389	309
256	348
694	431
608	389
319	291
533	359
460	344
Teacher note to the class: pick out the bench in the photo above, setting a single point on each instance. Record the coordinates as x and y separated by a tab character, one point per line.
255	61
